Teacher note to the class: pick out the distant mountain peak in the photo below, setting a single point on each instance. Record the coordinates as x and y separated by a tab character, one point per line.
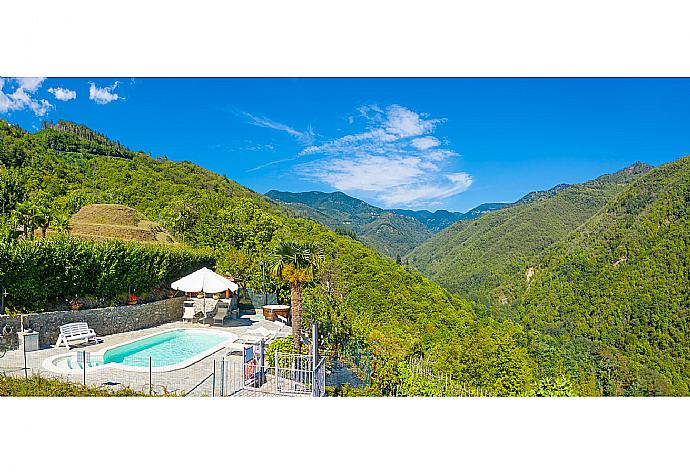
636	168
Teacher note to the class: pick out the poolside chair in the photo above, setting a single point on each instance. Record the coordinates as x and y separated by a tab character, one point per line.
255	335
221	313
188	314
75	332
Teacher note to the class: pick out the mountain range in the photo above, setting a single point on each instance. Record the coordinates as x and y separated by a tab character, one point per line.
392	232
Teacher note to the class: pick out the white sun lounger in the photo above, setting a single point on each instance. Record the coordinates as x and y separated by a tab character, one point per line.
255	335
188	314
75	332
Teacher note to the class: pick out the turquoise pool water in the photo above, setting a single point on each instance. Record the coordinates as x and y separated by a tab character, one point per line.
164	349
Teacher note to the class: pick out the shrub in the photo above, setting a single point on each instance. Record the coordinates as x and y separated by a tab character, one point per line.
38	386
282	345
45	271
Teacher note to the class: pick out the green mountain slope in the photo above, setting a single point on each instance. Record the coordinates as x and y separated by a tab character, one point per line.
360	294
434	221
620	284
389	233
475	257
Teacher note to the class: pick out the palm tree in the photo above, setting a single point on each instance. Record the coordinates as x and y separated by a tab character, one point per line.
44	217
61	223
27	214
295	263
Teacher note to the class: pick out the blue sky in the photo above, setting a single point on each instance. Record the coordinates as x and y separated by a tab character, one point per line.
396	143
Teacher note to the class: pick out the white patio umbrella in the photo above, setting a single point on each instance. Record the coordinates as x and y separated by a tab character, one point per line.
204	280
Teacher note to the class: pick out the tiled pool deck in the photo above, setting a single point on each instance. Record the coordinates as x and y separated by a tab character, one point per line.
179	381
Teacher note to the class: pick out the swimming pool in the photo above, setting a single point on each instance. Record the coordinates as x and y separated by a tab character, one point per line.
168	350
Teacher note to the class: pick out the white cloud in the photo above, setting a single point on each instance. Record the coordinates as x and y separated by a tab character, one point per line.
63	94
425	143
30	84
103	95
22	97
403	122
368	173
396	160
429	192
304	137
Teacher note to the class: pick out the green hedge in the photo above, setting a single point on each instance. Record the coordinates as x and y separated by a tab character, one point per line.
39	272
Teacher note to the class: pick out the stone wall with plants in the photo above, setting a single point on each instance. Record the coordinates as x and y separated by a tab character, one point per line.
104	321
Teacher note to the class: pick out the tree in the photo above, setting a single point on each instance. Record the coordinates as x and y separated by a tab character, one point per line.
61	223
27	215
295	263
44	217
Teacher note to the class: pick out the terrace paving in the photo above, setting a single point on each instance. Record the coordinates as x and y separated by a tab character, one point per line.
178	381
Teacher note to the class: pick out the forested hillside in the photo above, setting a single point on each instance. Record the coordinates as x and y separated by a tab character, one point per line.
474	258
434	221
49	175
389	233
619	285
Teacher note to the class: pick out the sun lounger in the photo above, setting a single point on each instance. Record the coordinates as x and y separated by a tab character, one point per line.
188	314
75	332
221	313
255	335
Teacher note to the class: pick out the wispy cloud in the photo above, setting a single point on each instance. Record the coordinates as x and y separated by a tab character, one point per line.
63	94
304	137
268	164
103	95
395	160
22	97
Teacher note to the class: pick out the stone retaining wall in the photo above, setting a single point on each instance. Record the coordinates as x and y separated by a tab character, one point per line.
104	321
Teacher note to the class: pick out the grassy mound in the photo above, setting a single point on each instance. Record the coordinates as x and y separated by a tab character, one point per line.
109	221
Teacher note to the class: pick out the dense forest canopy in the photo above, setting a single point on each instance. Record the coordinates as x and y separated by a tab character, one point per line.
620	282
475	257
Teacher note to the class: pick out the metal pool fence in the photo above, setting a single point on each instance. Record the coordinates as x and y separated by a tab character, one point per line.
350	364
286	375
434	383
217	375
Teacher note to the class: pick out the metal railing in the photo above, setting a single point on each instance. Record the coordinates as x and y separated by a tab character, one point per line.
319	380
289	375
350	363
426	380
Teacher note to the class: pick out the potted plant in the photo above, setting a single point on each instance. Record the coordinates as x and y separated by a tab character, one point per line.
216	296
132	299
199	294
74	303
